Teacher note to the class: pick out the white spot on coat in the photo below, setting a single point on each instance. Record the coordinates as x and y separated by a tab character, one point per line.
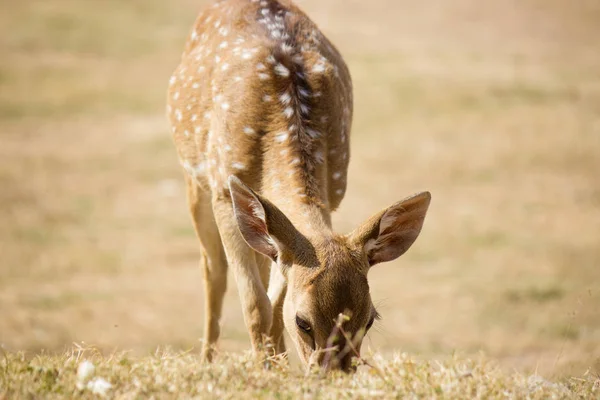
313	133
303	92
285	98
304	109
319	158
318	68
281	70
281	137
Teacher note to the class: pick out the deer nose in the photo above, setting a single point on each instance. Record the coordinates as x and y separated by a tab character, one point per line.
335	359
346	364
339	363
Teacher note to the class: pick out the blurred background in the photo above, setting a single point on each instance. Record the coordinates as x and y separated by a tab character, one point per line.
492	106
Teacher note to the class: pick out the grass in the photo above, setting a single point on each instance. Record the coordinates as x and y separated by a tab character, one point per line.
495	110
86	373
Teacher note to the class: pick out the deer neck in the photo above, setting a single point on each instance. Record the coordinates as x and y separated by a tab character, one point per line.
310	215
311	219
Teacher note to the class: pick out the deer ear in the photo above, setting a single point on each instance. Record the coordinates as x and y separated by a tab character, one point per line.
262	225
388	234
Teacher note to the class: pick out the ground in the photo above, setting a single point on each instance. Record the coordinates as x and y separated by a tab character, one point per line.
83	373
493	108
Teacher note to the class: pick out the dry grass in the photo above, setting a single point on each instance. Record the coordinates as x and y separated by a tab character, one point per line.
82	373
495	109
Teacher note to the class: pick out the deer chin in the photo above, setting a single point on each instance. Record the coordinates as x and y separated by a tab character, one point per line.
305	351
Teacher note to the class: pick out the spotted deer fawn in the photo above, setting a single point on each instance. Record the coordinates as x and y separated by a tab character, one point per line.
261	109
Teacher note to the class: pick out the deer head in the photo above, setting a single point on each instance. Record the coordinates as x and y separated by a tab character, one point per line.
327	273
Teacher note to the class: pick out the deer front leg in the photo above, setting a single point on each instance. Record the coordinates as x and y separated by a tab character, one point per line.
212	262
256	307
277	291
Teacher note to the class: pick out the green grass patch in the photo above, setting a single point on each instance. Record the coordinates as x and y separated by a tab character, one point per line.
88	374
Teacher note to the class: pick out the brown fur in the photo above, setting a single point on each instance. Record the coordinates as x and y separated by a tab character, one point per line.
261	108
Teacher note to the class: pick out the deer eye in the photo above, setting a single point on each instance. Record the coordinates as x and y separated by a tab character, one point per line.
303	325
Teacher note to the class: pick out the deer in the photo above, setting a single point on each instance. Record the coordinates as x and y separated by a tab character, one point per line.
260	108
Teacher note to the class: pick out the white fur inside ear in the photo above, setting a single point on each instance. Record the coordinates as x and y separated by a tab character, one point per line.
370	245
257	210
276	243
273	243
251	219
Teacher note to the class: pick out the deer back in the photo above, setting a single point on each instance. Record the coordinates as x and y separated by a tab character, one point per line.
261	93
